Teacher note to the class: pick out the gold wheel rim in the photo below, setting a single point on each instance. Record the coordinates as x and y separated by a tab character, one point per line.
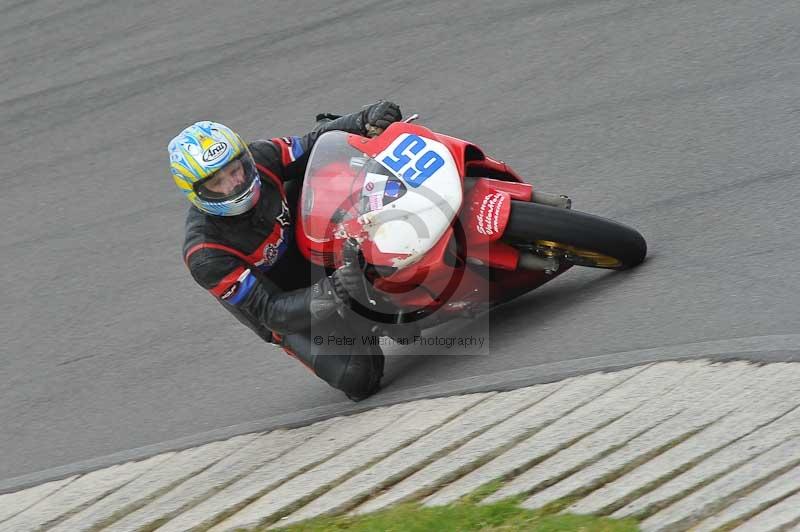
599	260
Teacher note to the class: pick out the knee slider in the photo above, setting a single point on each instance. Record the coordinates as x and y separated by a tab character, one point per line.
362	376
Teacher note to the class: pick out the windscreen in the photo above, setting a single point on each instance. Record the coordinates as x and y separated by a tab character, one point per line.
341	183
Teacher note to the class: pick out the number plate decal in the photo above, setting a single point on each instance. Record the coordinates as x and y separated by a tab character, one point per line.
413	158
420	201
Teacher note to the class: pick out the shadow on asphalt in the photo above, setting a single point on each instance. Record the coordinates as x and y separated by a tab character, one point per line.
556	300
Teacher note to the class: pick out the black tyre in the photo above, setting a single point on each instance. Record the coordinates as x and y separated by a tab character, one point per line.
580	238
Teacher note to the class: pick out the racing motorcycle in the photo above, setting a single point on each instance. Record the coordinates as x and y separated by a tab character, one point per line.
440	229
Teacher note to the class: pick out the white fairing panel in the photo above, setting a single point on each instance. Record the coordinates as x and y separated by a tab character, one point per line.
412	224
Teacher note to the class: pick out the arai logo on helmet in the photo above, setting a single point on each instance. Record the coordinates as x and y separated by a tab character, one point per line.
214	152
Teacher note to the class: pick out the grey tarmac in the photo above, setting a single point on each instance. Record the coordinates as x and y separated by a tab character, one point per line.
677	118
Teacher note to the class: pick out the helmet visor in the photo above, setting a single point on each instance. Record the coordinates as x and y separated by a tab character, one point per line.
229	182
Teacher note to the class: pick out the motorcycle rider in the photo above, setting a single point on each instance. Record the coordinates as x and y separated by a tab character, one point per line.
239	243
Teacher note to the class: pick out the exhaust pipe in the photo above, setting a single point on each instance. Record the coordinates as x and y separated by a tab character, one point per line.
552	200
529	261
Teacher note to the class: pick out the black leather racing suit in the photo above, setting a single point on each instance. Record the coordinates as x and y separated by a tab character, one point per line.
251	265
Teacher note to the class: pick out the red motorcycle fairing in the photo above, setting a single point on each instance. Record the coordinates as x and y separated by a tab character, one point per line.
469	158
468	267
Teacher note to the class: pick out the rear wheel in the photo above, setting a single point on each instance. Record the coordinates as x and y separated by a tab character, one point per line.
580	238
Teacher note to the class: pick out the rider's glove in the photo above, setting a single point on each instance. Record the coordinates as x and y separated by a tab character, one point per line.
323	301
347	282
377	117
335	291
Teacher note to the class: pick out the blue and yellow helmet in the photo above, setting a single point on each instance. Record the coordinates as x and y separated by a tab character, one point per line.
197	153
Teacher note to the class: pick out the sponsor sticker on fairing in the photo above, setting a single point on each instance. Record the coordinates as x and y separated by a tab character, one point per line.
392	189
375	203
374	184
488	217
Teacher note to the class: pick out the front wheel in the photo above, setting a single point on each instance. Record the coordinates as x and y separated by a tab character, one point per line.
580	238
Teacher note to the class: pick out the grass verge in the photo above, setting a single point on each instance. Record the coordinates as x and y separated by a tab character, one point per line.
464	516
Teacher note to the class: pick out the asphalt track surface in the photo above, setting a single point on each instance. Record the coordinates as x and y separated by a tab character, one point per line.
680	118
